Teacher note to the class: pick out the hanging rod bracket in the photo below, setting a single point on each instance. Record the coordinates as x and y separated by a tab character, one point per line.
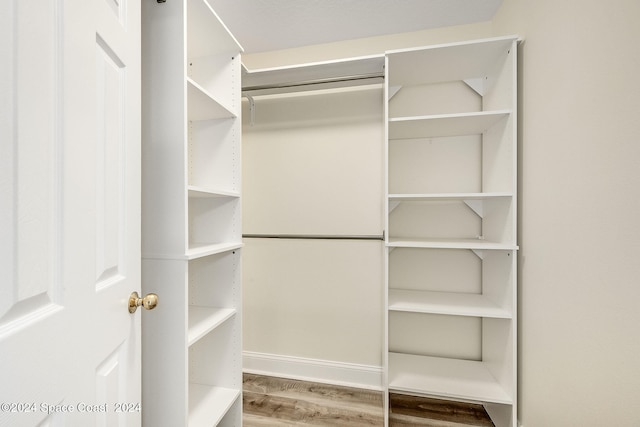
252	109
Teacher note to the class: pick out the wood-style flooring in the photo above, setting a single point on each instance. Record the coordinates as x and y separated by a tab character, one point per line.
270	401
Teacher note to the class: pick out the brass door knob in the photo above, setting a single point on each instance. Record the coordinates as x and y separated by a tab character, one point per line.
149	301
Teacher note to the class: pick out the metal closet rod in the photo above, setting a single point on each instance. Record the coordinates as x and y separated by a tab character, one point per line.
341	79
313	237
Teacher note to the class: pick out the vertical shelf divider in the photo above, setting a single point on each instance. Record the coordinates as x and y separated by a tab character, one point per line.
192	238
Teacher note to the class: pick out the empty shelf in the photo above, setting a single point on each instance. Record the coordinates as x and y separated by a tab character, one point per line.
476	244
203	320
317	75
208	404
410	197
450	378
202	106
444	124
199	250
447	62
201	192
449	303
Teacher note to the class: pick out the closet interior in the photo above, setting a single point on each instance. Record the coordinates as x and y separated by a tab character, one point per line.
449	172
360	212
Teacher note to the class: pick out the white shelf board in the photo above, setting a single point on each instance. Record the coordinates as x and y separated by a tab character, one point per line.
199	250
449	378
203	320
206	33
408	197
201	192
448	303
446	62
265	81
476	244
202	106
442	125
208	404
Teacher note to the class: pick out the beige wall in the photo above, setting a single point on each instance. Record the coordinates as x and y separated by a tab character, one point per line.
579	317
580	210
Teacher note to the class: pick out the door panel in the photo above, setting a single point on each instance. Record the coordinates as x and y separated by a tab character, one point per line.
30	174
70	212
110	79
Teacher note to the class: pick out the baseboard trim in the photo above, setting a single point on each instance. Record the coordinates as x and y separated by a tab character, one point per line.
322	371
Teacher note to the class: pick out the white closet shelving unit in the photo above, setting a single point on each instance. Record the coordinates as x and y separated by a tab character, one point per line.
451	223
192	238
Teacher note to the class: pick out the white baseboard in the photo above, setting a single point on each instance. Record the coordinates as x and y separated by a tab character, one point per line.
322	371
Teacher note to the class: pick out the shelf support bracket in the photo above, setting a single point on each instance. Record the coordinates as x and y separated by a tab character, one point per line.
479	253
393	205
476	206
392	92
477	85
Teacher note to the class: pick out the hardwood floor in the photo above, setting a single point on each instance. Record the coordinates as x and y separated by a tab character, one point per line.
270	401
421	411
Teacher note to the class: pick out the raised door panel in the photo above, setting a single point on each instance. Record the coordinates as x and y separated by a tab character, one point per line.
109	162
30	172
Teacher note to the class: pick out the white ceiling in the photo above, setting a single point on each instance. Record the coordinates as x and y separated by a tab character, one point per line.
264	25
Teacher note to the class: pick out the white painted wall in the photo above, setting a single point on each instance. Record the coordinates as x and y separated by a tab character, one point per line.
312	165
579	203
314	299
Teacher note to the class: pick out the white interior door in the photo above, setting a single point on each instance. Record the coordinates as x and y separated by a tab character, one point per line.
69	212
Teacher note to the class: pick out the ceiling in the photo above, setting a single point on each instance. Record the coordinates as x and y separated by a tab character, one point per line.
264	25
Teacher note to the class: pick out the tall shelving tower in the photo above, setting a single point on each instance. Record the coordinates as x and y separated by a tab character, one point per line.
451	192
192	238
